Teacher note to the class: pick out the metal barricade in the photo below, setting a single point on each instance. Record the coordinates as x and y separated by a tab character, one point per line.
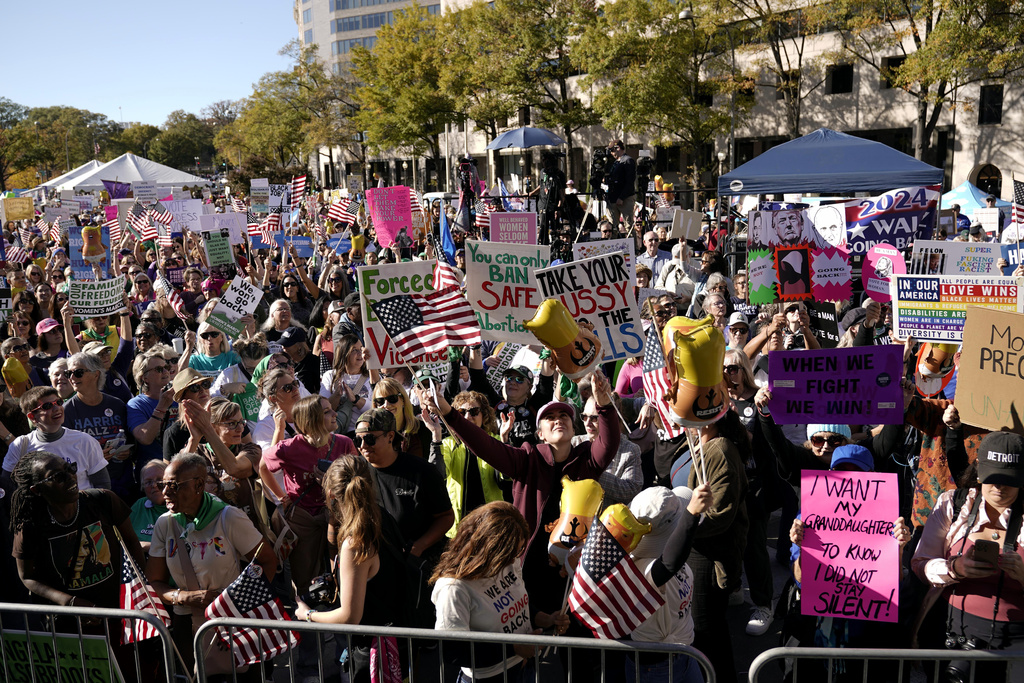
85	647
327	655
930	662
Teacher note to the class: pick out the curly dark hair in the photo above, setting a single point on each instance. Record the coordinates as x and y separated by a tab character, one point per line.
27	508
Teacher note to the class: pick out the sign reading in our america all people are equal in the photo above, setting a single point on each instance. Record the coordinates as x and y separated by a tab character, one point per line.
502	289
933	307
849	559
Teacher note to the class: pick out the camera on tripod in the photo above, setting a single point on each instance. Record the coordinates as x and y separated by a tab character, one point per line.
644	167
600	164
467	173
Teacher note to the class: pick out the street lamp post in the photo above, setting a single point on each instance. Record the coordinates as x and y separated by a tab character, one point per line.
197	165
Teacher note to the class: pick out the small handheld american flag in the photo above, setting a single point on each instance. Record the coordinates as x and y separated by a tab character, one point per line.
343	211
138	595
656	381
298	191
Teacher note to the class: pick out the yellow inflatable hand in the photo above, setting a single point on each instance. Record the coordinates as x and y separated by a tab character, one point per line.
624	526
580	503
695	371
576	349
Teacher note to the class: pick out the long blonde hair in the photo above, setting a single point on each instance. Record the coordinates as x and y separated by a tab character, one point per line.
352	502
309	420
388	386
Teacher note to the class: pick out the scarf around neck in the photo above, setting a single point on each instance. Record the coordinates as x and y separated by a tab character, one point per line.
208	511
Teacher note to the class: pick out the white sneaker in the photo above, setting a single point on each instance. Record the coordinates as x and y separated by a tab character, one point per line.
760	620
736	597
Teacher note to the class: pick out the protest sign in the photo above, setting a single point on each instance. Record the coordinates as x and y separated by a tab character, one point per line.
303	245
176	276
234	223
391	211
90	246
383	281
66	194
146	193
45	656
65	226
824	322
241	298
6	304
837	386
881	263
502	289
895	218
339	244
514	227
955	258
92	299
1012	254
279	198
933	307
597	290
72	205
56	213
685	224
849	559
354	184
85	202
505	353
17	209
587	250
989	219
186	214
218	247
180	195
259	195
990	376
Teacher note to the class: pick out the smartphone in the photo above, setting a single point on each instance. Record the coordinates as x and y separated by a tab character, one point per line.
986	551
323	465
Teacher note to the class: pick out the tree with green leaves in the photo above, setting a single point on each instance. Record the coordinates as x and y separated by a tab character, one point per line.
182	139
136	139
14	142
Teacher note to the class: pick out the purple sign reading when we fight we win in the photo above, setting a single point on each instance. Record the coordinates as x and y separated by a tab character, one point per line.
837	386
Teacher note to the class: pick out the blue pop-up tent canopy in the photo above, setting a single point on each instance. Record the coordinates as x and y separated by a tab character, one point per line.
828	162
970	197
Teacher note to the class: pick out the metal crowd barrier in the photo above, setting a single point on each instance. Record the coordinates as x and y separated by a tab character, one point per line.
32	649
931	662
445	673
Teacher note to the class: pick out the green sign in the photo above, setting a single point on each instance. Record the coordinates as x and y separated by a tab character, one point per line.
81	658
218	247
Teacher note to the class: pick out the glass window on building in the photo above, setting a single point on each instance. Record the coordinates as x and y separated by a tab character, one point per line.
839	79
307	36
307	16
990	109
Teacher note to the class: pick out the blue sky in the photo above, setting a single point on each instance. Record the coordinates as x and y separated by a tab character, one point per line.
146	57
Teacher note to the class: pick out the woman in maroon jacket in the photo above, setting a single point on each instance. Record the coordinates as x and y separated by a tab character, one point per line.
536	472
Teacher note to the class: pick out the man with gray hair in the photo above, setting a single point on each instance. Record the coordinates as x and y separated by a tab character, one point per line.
653	258
677	275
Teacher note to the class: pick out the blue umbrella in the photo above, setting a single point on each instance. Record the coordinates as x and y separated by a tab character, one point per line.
526	137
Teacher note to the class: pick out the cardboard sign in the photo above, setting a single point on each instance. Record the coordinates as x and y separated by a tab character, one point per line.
685	224
44	656
72	205
502	289
241	298
989	219
391	211
259	195
990	378
86	202
881	263
65	226
146	193
17	209
837	386
849	559
591	249
597	290
933	307
824	322
186	214
955	258
280	200
89	246
505	353
234	223
514	227
354	184
381	282
56	213
218	247
92	299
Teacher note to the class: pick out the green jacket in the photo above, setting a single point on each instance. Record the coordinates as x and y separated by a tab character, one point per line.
453	454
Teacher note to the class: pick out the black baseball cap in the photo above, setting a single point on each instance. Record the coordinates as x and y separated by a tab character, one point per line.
1001	459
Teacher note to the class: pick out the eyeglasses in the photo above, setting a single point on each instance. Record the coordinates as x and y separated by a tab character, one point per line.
472	412
369	439
63	475
381	400
335	279
210	335
20	347
590	418
287	388
232	424
20	323
793	309
834	441
58	276
160	368
515	379
731	369
173	486
663	313
201	386
279	363
172	362
77	373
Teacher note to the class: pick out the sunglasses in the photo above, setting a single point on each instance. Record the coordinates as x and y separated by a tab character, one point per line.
279	363
173	486
232	424
381	400
173	361
664	313
834	441
145	335
58	276
288	388
201	386
20	323
160	368
738	330
369	439
209	335
590	418
792	309
77	374
515	379
335	279
472	412
731	369
142	281
290	284
63	475
45	408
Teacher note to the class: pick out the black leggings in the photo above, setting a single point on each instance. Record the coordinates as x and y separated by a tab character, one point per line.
711	630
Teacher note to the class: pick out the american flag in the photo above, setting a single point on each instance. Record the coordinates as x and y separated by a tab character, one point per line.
25	234
265	230
163	236
483	214
415	202
16	254
160	214
138	217
42	226
343	211
238	205
114	226
163	286
655	380
249	597
428	323
609	592
1018	203
138	595
298	191
444	276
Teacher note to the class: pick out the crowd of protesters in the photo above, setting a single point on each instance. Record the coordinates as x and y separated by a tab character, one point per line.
154	434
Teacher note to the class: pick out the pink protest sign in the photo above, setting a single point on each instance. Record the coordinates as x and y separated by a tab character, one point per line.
110	212
849	558
391	211
514	227
881	263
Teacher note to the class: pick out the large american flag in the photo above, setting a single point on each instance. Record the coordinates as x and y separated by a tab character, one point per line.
138	595
265	229
163	286
298	191
655	380
1018	203
610	594
343	211
138	217
428	323
445	276
249	597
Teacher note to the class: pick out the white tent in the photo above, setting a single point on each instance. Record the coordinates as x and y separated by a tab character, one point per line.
129	168
72	174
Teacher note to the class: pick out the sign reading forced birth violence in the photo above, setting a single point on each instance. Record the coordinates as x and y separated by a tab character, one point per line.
502	289
92	299
837	386
990	379
849	559
384	281
933	307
